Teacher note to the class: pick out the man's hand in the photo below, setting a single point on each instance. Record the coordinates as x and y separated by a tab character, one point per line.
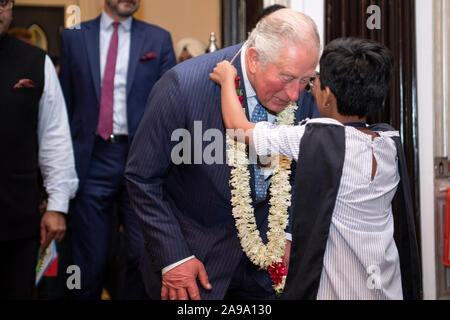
180	283
53	226
287	254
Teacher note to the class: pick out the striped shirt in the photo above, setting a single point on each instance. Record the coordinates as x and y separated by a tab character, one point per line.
361	260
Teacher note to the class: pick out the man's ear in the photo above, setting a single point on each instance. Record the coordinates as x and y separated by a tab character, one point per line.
252	60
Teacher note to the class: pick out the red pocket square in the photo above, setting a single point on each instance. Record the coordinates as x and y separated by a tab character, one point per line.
149	56
24	83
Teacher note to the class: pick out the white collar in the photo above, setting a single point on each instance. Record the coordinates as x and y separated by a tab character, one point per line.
250	92
106	22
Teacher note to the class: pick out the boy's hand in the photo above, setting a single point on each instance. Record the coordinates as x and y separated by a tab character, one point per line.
224	72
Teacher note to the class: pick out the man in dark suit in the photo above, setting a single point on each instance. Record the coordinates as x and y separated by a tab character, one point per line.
184	206
108	68
36	140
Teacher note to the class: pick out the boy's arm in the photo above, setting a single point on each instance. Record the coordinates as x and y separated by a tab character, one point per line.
233	114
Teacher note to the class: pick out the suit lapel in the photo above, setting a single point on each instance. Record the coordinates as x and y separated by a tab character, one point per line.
237	64
92	39
136	44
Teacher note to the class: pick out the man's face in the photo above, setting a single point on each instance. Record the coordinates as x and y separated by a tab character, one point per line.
282	81
123	8
5	20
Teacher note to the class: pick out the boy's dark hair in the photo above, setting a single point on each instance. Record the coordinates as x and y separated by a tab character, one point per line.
358	72
270	9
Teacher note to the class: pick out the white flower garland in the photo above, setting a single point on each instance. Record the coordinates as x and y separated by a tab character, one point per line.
243	212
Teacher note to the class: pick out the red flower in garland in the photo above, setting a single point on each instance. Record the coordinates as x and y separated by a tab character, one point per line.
277	271
237	82
239	92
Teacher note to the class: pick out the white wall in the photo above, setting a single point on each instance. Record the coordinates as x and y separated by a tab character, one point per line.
316	10
184	18
285	3
425	60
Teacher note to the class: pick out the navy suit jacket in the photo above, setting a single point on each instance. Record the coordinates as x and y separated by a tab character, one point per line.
185	209
80	80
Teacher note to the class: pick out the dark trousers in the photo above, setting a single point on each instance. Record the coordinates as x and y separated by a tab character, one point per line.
18	268
91	216
250	283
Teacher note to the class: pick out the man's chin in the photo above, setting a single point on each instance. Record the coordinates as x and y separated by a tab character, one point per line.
276	108
126	10
126	13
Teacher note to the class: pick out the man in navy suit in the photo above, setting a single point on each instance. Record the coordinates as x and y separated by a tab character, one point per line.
184	207
108	68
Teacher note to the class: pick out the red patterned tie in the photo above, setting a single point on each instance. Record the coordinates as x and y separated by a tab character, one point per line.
105	122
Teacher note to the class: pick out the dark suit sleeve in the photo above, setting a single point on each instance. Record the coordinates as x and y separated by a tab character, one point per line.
148	167
310	102
168	59
315	111
64	74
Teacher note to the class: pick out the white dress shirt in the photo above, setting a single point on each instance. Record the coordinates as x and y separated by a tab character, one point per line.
56	159
361	242
120	122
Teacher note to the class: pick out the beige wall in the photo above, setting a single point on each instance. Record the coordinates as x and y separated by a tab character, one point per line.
182	18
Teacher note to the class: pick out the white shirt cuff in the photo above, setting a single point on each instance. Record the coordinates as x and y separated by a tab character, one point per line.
176	264
58	203
289	237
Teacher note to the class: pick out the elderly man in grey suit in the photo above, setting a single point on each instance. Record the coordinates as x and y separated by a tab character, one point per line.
184	208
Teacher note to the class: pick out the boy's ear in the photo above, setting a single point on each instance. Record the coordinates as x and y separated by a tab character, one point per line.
330	99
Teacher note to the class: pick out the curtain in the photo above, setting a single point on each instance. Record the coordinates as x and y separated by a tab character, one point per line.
239	18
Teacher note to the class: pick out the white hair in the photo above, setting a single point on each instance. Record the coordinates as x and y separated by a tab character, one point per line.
282	28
